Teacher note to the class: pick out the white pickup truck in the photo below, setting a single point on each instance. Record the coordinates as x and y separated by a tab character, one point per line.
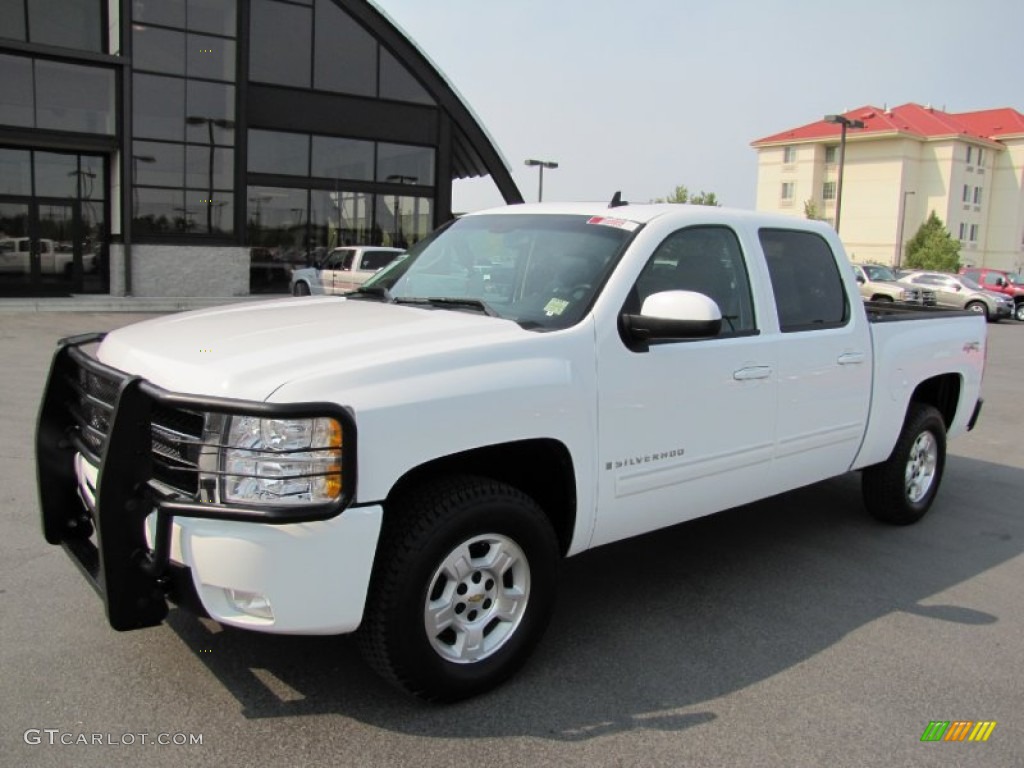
411	461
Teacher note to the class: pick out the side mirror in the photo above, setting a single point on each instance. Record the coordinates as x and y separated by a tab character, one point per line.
671	315
860	279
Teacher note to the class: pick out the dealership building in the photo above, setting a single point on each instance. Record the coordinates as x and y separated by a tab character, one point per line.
160	148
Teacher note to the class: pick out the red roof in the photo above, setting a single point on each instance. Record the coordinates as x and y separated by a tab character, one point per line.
912	119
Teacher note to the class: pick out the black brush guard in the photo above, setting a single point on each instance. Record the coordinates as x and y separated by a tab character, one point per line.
107	541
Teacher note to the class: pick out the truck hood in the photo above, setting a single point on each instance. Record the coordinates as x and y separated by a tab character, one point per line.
248	351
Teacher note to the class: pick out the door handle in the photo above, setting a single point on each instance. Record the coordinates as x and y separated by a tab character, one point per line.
753	372
851	358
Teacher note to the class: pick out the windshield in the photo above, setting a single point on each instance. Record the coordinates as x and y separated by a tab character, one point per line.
542	271
879	274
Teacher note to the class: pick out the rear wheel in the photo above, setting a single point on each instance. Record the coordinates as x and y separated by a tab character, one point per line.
462	590
978	307
301	289
901	489
1018	311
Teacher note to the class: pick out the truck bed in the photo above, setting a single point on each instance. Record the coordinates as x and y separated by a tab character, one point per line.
889	312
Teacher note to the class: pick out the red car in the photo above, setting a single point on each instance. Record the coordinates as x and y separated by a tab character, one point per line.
1000	281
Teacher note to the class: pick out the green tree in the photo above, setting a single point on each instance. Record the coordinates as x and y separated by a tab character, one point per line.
705	198
932	247
682	195
811	210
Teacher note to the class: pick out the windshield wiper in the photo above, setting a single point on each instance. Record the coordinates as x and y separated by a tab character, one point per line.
373	291
448	301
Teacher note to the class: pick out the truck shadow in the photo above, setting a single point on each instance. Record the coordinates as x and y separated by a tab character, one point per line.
649	632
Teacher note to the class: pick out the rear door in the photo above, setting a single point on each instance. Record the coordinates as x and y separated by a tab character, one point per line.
823	353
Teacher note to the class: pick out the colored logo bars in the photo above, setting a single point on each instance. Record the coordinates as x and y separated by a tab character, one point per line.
958	730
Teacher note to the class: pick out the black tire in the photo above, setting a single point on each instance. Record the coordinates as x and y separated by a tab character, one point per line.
901	489
1018	311
301	289
424	532
979	307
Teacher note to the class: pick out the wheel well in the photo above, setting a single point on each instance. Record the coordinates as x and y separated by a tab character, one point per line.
942	392
542	469
881	297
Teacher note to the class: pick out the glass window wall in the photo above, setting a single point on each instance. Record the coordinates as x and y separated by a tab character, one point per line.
280	39
184	165
17	96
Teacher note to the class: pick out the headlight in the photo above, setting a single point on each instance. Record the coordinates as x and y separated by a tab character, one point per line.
281	461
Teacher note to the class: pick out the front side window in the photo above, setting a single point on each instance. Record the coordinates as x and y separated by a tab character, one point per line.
540	271
706	260
809	292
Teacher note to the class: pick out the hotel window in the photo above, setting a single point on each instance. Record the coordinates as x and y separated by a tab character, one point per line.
977	195
981	156
789	155
830	155
828	190
970	151
973	233
963	231
787	190
967	193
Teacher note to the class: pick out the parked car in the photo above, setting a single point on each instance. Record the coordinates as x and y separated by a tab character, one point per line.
1007	283
879	283
343	269
959	292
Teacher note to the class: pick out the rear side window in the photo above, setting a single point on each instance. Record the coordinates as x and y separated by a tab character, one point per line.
809	293
374	260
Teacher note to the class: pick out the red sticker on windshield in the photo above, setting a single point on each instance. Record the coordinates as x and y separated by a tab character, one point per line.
606	221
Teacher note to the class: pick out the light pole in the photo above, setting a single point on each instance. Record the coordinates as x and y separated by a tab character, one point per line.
899	232
210	122
541	165
844	123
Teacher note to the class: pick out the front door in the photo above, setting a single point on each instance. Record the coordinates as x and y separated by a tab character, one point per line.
47	247
686	427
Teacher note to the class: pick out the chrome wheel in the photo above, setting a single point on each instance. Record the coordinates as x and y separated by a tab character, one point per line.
921	466
477	598
1019	311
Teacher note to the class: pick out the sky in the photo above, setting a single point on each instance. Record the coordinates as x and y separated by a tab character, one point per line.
646	95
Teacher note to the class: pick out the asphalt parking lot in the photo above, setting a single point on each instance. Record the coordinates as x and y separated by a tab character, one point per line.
792	632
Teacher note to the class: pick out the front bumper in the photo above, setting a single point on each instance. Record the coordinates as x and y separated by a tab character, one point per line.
104	497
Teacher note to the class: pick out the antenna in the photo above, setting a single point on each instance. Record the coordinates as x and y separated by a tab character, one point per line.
617	201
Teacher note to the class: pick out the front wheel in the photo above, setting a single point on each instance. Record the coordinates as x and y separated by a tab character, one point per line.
463	588
901	489
301	289
1018	311
978	308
